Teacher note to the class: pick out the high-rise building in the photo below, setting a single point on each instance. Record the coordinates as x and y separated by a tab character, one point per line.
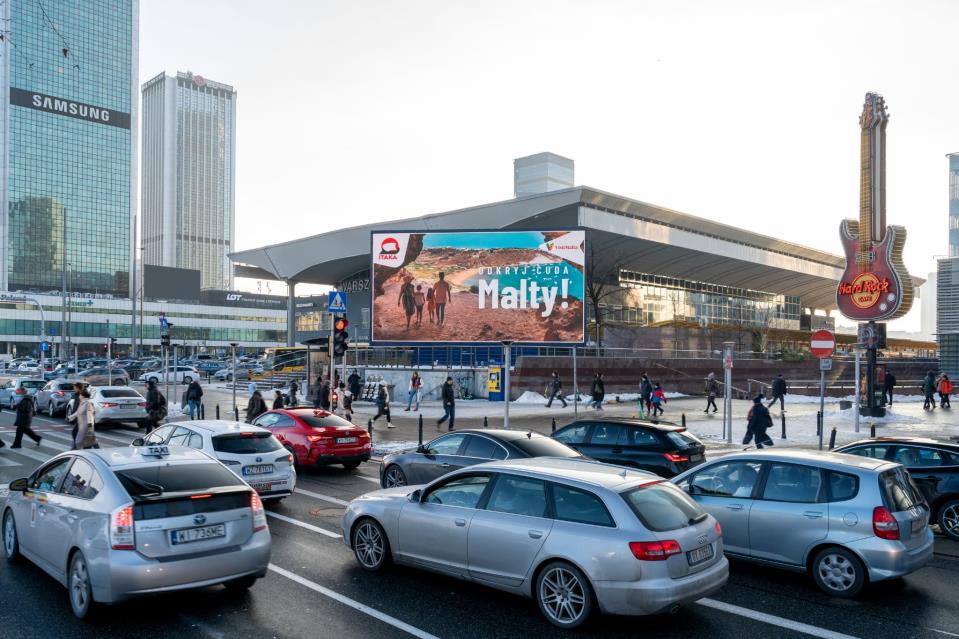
541	172
947	329
927	305
953	204
68	119
189	131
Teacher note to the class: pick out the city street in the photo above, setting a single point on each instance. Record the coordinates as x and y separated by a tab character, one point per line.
316	588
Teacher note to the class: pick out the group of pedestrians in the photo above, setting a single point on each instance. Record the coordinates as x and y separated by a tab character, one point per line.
651	397
932	385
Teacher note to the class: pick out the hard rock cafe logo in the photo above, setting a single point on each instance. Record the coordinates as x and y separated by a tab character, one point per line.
389	247
865	290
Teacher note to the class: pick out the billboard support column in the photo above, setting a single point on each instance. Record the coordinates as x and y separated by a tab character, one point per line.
858	354
727	390
291	314
575	388
506	365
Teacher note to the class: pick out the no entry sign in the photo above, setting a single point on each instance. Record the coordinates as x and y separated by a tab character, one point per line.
822	344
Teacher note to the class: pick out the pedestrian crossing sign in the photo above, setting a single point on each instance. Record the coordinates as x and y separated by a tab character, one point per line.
337	302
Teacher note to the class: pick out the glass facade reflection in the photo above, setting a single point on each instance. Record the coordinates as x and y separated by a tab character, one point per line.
71	120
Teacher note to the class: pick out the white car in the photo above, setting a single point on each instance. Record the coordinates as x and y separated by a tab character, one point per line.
119	404
251	452
174	374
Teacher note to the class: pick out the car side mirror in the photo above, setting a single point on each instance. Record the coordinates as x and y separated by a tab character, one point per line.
137	442
414	496
421	448
19	485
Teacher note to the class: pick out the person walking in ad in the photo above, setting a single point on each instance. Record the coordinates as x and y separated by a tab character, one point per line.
414	391
442	294
598	392
929	390
712	389
945	389
759	421
277	399
449	404
255	407
24	421
406	300
383	405
419	298
84	414
431	303
778	389
646	393
556	390
659	400
888	386
194	395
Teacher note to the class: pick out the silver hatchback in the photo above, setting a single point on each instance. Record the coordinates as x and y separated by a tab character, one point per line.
122	522
572	534
847	520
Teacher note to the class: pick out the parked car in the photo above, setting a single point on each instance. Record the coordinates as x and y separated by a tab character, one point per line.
251	452
933	466
463	448
178	374
117	405
124	522
242	373
62	371
663	448
55	397
317	438
843	519
17	388
104	376
574	534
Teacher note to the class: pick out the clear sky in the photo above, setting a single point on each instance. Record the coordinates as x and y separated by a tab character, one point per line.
740	111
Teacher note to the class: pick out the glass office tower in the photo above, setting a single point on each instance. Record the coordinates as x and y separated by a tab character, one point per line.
69	171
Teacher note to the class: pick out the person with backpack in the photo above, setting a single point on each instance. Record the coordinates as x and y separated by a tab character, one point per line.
597	392
658	399
156	406
194	395
85	416
712	389
759	421
414	391
945	389
556	390
383	405
23	421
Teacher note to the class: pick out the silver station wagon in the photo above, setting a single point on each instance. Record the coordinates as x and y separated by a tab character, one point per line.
847	520
116	523
575	535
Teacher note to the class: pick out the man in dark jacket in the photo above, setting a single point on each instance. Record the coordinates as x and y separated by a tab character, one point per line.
294	389
156	407
449	404
929	389
194	395
383	405
353	381
23	422
556	391
277	399
778	388
598	392
255	407
646	392
888	386
759	421
712	389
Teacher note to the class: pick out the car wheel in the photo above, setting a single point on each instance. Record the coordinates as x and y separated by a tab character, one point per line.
240	585
78	585
50	409
370	545
351	465
949	519
564	595
838	572
11	544
393	477
154	380
187	379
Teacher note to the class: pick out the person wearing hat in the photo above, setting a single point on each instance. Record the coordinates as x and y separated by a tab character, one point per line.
759	421
383	405
449	404
712	389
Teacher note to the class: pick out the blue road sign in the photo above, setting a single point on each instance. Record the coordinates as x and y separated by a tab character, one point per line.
164	323
44	346
336	302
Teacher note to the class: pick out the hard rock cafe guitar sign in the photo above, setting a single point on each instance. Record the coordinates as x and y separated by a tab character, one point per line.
875	285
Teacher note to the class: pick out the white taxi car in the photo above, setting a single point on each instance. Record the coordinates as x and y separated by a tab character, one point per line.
116	523
253	453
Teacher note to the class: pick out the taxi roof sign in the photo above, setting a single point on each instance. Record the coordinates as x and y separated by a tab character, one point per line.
155	451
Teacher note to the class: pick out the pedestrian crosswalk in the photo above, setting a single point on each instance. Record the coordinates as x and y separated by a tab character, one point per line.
52	443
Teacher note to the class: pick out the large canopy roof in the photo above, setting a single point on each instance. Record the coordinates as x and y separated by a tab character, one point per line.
622	232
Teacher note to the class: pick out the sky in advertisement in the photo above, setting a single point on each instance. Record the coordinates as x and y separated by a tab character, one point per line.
740	111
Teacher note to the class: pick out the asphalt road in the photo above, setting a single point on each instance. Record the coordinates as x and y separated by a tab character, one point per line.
315	588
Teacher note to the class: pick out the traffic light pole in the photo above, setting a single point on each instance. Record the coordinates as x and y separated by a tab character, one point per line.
332	360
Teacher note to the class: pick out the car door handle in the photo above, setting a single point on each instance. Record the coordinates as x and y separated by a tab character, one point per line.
444	465
734	506
813	514
460	522
72	517
42	510
535	534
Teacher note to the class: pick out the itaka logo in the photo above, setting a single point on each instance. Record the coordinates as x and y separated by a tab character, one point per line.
389	247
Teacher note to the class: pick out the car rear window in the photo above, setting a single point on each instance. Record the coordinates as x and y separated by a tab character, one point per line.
30	383
682	438
540	446
65	386
662	506
898	490
162	478
327	421
119	392
246	444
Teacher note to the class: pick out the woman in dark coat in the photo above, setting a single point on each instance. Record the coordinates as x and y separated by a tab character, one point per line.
255	407
598	391
23	421
277	400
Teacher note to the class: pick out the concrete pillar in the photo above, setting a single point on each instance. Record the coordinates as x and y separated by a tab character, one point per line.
290	312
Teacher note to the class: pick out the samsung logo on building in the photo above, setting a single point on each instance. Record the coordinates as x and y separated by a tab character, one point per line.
69	108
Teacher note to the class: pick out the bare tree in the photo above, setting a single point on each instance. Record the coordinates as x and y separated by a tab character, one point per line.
602	281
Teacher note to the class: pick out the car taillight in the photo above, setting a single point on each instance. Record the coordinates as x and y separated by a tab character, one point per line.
719	529
21	391
259	516
654	550
61	393
320	439
121	528
674	457
884	524
142	404
109	405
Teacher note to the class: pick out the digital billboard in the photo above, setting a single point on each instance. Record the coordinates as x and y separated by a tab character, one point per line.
478	286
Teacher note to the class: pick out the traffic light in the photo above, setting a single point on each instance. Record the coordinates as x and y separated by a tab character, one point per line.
165	340
341	339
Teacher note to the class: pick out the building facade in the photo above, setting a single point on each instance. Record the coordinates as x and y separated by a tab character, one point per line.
189	132
947	323
953	204
68	144
541	172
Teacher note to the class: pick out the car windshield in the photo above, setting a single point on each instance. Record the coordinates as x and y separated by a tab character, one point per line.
246	443
662	506
119	392
33	383
159	479
536	445
899	491
326	421
682	438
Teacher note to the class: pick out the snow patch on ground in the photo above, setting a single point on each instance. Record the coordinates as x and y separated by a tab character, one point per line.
381	449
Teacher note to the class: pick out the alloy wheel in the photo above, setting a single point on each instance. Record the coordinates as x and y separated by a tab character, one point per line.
50	409
394	477
837	572
949	519
79	586
563	596
9	535
368	545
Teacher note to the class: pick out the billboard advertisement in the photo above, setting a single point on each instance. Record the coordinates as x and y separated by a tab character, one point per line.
479	286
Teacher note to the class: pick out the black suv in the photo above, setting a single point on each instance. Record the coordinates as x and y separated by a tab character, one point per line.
663	448
934	467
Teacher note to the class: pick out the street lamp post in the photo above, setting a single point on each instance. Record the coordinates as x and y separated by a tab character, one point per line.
233	372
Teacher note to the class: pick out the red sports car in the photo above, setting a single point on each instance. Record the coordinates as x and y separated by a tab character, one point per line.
317	437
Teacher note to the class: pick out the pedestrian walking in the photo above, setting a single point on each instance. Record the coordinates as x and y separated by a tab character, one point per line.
24	421
353	382
442	294
646	392
712	389
431	303
888	386
74	402
347	402
85	416
294	389
318	393
449	404
255	407
945	389
407	299
194	395
419	298
658	399
597	391
277	399
325	399
383	405
156	407
556	390
778	390
929	390
759	422
414	391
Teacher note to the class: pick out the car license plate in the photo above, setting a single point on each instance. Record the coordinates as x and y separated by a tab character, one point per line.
201	533
700	555
347	440
695	457
918	525
262	469
262	488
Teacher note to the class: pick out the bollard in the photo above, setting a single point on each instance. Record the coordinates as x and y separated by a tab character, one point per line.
832	438
421	429
236	413
554	425
202	411
684	420
783	415
218	411
872	430
485	422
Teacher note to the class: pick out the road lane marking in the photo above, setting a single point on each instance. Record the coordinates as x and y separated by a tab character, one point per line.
352	603
32	454
773	620
8	462
301	524
372	479
310	493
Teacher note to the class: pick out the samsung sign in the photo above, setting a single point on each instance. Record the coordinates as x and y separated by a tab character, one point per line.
69	108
